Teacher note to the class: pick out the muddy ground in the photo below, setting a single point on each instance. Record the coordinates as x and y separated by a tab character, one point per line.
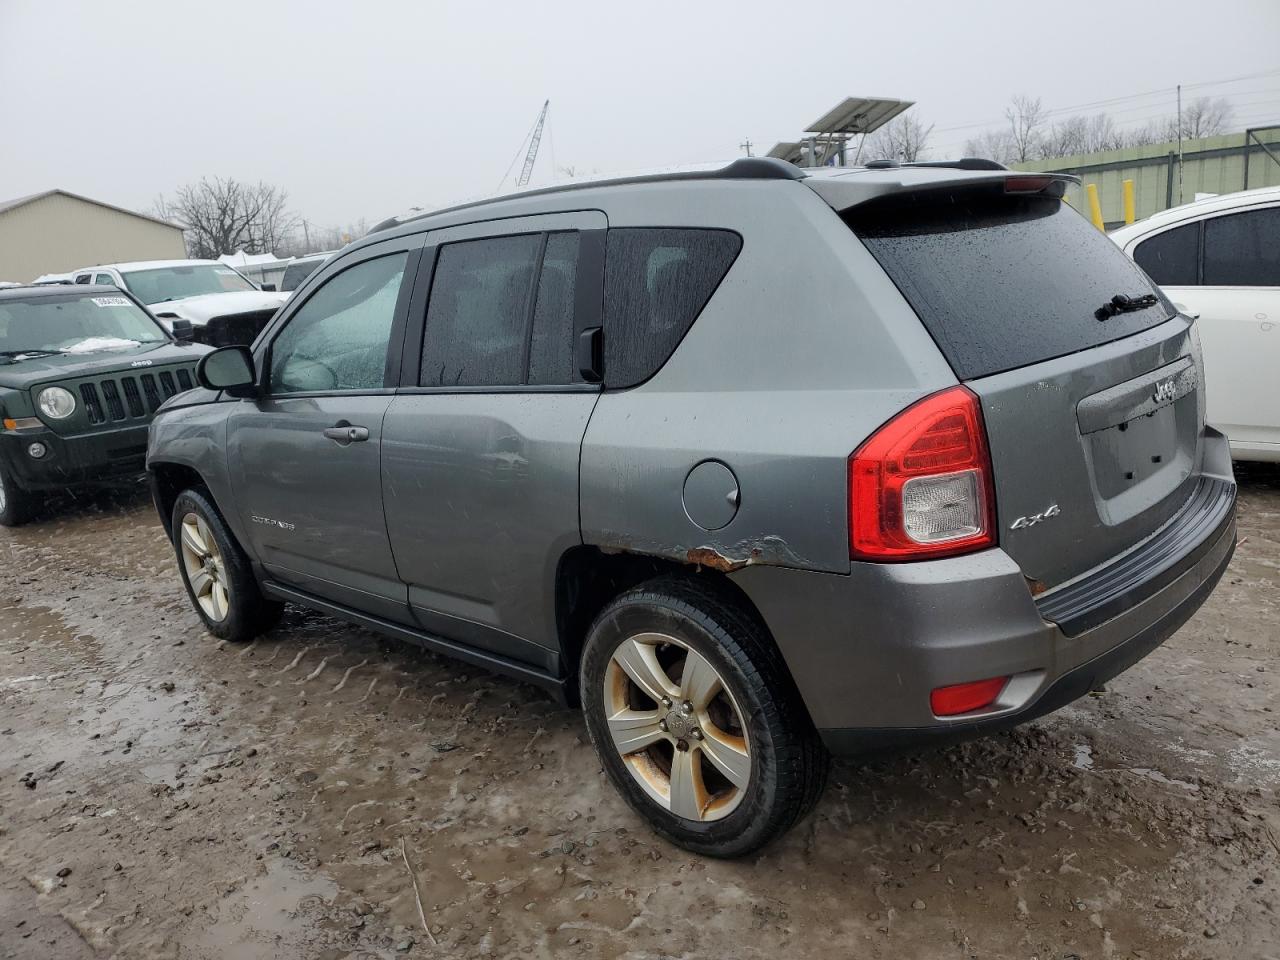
164	795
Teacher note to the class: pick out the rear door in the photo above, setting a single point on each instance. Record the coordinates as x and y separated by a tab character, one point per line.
1226	268
480	455
305	457
1094	413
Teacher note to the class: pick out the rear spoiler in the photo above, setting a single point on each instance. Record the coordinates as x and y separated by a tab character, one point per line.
847	190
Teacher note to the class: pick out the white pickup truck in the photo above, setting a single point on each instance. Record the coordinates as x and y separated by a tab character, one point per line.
222	306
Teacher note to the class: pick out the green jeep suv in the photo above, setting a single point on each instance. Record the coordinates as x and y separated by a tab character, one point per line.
83	370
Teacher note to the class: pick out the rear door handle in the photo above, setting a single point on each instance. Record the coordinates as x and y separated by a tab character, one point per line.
343	433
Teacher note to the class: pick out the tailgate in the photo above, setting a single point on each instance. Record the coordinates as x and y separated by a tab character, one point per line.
1088	378
1093	452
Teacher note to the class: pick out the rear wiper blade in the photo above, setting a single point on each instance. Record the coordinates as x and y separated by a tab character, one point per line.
1123	303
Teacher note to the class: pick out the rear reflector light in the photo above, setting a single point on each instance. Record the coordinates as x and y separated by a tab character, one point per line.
966	697
921	486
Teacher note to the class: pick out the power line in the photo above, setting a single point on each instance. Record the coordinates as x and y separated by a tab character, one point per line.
1111	100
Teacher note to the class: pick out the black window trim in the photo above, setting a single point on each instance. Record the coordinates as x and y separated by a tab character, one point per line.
588	293
411	248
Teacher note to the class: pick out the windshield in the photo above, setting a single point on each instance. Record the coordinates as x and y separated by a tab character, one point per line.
176	283
73	324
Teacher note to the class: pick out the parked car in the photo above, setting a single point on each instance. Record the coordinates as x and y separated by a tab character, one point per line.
51	278
301	268
82	372
1219	259
223	306
753	463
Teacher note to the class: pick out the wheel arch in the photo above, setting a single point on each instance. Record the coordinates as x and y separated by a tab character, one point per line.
168	480
588	578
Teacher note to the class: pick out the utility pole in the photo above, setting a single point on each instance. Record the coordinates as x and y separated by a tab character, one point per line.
1180	145
746	145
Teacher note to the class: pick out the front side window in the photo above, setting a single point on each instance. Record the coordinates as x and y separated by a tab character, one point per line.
1171	258
296	272
656	282
478	314
72	323
1243	249
162	284
338	339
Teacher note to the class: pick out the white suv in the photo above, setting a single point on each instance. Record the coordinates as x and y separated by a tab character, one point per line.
1220	258
222	305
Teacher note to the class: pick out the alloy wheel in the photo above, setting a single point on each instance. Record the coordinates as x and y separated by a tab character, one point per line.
677	727
205	570
4	496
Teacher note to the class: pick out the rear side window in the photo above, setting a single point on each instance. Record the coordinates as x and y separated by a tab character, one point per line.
479	312
657	280
1171	258
1001	281
1243	249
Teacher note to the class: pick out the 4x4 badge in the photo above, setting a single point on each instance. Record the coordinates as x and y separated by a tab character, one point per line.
1023	522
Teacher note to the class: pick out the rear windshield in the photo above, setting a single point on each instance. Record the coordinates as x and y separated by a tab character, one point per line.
296	272
1004	281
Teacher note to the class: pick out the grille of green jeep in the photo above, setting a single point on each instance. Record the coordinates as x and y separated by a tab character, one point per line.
132	396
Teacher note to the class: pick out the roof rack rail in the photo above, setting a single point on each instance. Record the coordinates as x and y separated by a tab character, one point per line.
964	163
744	168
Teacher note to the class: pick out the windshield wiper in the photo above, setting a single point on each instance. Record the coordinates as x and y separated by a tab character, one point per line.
33	352
1123	303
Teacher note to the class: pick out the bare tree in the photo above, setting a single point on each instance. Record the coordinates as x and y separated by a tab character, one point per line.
223	216
905	139
1026	117
1202	117
990	145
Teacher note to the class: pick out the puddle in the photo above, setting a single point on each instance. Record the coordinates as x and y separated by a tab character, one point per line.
1084	757
1158	777
267	917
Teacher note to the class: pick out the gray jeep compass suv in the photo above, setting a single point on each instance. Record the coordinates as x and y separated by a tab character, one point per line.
753	463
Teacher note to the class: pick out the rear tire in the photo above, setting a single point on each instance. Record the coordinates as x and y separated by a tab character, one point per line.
17	506
697	721
217	573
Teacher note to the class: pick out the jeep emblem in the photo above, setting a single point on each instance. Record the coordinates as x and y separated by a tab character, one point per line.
1164	391
141	363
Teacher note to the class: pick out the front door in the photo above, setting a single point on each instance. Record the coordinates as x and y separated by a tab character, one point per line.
480	458
305	456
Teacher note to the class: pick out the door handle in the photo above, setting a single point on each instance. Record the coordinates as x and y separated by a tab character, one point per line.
343	433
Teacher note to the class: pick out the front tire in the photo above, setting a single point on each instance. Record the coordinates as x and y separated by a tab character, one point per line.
697	721
217	574
17	506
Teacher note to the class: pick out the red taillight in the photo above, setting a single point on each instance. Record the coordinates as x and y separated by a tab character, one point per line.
1050	186
966	697
921	487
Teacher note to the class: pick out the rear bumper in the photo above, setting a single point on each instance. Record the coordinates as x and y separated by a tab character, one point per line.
89	458
866	650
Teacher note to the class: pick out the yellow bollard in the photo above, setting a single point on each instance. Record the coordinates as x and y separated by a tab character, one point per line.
1095	208
1128	201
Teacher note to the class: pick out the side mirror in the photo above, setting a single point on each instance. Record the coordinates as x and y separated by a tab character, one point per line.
269	288
229	369
182	330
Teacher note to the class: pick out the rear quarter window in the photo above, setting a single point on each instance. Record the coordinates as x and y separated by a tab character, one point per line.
1002	281
657	280
1171	258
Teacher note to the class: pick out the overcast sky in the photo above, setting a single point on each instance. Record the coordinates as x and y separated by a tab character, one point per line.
362	109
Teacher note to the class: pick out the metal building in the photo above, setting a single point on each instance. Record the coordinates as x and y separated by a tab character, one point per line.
57	231
1223	164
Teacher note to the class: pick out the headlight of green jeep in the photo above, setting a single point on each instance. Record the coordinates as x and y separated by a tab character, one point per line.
57	403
